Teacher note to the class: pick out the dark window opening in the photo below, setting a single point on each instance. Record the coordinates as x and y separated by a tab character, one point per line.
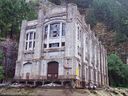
34	35
34	44
45	45
46	29
27	36
63	43
30	44
26	45
31	33
63	29
46	32
54	45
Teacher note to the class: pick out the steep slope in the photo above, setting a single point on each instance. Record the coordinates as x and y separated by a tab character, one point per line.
108	40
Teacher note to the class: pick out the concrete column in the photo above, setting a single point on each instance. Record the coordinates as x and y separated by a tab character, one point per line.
107	78
101	66
104	68
17	70
48	36
96	64
22	39
38	43
39	35
90	58
70	31
60	36
100	63
21	49
103	63
99	80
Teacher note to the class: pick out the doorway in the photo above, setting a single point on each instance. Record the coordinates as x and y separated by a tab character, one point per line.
52	71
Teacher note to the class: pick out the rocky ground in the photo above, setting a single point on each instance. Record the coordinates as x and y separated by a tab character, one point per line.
62	92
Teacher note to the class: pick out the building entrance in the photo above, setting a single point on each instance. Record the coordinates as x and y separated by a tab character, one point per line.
52	70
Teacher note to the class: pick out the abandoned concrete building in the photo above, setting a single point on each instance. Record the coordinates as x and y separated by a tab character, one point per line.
59	47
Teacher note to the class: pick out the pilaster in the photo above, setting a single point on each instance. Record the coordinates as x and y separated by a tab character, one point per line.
38	43
22	39
70	31
20	50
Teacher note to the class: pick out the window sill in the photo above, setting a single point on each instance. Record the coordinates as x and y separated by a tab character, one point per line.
54	37
54	49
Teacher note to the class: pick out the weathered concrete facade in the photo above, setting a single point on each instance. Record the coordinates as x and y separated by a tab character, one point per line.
60	47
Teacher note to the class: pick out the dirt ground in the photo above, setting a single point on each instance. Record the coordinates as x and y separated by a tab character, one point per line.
62	92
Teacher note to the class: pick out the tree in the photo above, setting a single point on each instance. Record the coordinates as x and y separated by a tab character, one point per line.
1	72
12	12
113	13
1	68
1	56
118	72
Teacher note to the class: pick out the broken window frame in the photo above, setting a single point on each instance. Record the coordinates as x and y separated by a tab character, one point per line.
61	30
54	30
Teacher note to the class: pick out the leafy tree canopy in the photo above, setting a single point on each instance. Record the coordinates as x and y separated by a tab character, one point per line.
118	72
12	12
113	13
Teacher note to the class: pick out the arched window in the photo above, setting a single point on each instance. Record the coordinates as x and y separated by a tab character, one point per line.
30	39
55	29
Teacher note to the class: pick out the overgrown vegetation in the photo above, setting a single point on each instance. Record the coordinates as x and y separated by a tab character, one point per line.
113	13
118	72
12	12
1	68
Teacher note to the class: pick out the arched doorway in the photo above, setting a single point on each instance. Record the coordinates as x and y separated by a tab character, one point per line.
52	71
27	70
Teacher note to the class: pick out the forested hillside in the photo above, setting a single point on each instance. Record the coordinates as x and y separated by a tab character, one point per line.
12	12
108	19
